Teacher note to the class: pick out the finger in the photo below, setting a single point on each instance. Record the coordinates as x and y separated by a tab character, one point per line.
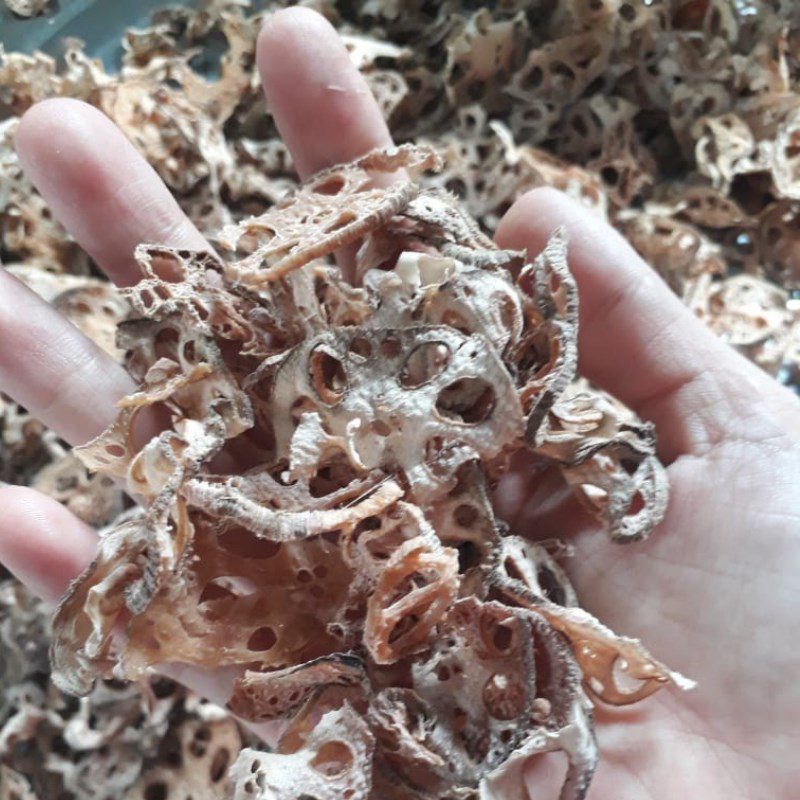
42	543
321	104
99	187
639	341
48	366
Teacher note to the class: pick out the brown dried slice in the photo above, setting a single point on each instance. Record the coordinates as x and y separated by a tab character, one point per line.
333	763
614	668
333	209
749	313
412	593
607	455
217	500
676	250
546	356
237	599
261	696
130	566
779	243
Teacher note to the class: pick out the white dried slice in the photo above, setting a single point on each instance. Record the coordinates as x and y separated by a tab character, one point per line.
218	501
335	207
426	419
334	762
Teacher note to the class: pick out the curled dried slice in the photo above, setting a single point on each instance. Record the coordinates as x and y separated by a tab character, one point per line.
412	593
333	209
334	762
546	355
266	695
218	500
607	455
131	563
615	668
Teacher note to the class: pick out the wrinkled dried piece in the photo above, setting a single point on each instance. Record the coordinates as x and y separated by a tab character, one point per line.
266	695
333	209
616	669
333	762
608	457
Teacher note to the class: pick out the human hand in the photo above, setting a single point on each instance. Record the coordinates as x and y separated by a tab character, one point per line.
711	592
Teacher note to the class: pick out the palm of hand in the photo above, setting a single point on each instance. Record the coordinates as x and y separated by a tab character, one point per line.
714	593
711	592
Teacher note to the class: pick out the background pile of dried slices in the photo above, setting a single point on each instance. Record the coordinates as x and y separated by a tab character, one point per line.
426	641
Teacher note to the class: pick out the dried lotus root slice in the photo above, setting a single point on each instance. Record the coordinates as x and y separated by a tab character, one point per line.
204	751
183	369
262	696
749	313
616	669
334	762
675	249
424	399
411	595
284	525
187	283
333	209
239	600
547	353
477	301
500	680
607	455
131	562
531	565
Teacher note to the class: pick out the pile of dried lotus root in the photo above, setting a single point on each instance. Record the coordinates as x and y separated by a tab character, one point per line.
316	510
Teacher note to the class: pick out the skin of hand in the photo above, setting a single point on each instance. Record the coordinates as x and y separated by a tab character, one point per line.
714	592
